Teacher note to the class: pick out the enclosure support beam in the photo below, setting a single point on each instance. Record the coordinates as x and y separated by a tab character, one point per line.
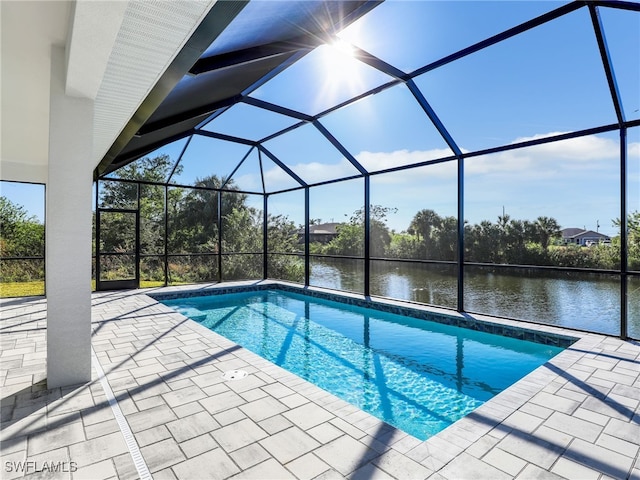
460	243
265	238
219	223
307	268
624	264
166	234
68	232
367	235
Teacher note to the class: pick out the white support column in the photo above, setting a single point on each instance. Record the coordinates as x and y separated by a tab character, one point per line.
68	233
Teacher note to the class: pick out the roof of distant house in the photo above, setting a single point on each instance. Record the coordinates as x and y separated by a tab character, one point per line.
324	228
578	232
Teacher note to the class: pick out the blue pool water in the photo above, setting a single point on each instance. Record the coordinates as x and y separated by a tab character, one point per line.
417	375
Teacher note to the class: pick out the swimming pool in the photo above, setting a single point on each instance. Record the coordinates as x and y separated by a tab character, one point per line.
416	375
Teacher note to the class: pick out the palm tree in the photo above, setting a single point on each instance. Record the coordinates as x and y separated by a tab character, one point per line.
546	228
423	222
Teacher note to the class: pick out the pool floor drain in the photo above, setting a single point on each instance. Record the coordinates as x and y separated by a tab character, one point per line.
234	374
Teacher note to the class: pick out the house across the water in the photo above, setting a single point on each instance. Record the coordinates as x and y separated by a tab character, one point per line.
322	233
586	238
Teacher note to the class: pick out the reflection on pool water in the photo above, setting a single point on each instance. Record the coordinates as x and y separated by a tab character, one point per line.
417	375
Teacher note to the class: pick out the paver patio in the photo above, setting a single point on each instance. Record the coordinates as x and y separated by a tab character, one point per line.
158	407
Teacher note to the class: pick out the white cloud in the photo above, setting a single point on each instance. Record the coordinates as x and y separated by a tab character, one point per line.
375	161
554	159
249	182
313	172
582	149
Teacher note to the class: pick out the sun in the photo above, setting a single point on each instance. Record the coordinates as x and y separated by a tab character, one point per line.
338	58
340	69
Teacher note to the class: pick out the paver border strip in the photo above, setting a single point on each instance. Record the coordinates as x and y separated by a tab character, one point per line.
132	445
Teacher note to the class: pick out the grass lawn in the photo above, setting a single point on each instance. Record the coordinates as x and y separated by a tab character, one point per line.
29	289
21	289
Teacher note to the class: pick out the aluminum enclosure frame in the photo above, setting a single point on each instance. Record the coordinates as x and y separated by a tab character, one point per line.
399	77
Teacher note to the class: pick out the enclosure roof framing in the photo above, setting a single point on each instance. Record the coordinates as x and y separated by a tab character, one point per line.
258	46
235	60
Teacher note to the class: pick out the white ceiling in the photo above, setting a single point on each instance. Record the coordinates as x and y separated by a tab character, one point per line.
116	52
29	29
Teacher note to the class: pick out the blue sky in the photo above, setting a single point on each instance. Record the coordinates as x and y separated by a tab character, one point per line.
542	82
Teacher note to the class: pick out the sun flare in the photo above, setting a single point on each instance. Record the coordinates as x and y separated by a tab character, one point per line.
341	70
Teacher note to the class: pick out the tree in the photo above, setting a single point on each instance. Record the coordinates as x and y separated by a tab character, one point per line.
446	239
117	194
633	226
633	238
482	242
546	228
20	234
350	238
422	224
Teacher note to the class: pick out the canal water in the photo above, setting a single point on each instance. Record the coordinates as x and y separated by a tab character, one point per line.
583	301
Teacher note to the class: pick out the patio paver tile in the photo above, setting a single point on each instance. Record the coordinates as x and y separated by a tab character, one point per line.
229	416
608	407
308	415
250	455
532	472
189	394
161	455
198	445
238	435
333	453
591	416
150	402
221	402
11	464
574	471
504	461
289	444
150	418
466	466
152	435
574	426
370	471
99	429
400	466
253	394
307	466
532	449
269	470
98	449
213	465
275	424
277	390
98	471
293	401
617	445
624	430
166	474
347	428
599	458
523	421
193	426
325	432
188	409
